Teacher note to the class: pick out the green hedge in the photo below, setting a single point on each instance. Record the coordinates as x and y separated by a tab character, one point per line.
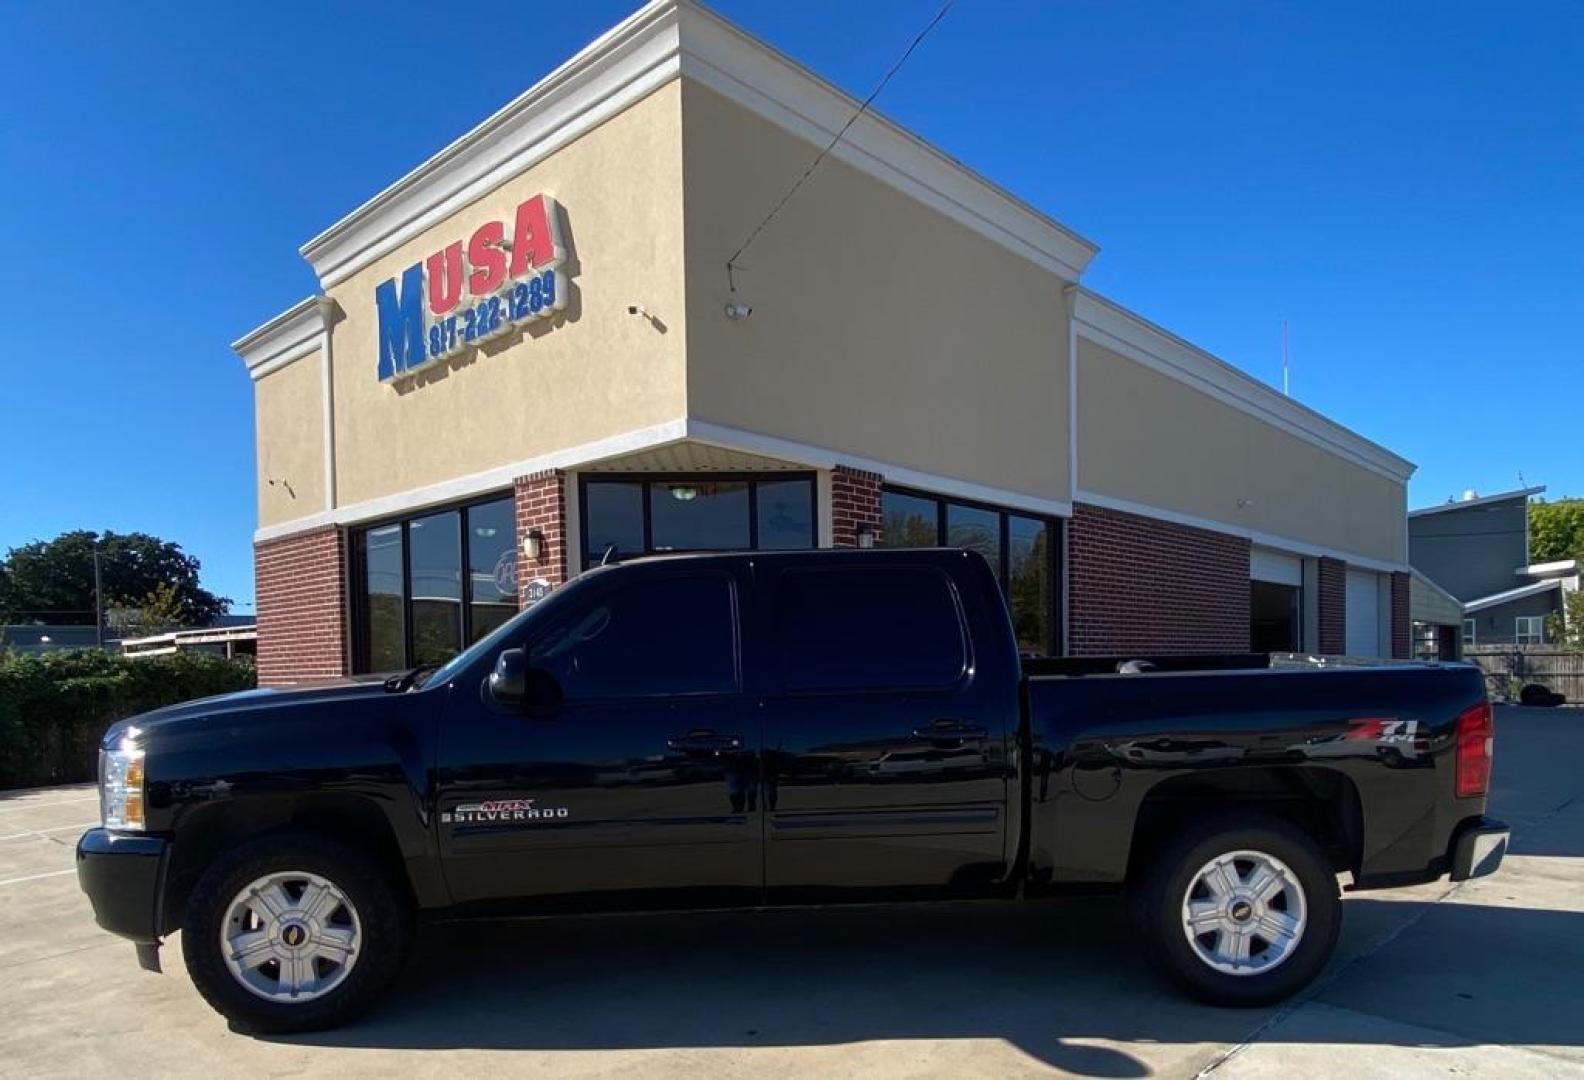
54	708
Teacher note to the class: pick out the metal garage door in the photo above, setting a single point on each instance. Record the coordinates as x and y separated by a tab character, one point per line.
1363	613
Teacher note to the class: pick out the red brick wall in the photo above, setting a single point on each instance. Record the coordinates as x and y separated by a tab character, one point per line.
1139	586
1332	578
1401	619
855	500
302	606
541	505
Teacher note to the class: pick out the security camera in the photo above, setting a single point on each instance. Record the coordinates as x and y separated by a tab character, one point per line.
636	309
737	312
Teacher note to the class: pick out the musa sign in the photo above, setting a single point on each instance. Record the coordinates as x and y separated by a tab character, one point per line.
466	293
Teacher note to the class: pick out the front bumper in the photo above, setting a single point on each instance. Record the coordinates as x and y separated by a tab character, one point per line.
1478	848
124	877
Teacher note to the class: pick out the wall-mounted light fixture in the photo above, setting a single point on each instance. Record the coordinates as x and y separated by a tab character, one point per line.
866	535
533	545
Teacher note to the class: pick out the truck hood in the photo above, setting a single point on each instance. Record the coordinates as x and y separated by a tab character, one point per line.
260	705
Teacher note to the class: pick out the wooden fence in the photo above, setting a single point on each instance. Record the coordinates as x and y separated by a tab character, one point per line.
1509	668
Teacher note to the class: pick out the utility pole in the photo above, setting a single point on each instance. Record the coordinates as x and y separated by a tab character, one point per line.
98	600
1286	386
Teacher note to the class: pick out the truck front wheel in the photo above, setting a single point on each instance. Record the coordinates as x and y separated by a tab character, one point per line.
1242	910
294	933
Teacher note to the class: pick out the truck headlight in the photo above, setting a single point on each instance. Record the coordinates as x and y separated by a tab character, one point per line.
121	788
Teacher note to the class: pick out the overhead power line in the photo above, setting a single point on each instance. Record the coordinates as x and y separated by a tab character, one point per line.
731	263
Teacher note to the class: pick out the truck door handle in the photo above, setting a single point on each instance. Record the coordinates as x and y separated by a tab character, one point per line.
954	731
704	742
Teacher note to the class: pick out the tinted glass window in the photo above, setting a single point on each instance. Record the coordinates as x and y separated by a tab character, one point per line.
672	635
977	530
1028	584
872	628
698	516
436	577
615	516
1276	617
492	566
909	521
786	514
382	590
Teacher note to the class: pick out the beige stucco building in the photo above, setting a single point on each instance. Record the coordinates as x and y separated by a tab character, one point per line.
528	355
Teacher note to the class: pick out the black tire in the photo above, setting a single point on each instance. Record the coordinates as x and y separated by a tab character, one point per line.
1172	876
383	912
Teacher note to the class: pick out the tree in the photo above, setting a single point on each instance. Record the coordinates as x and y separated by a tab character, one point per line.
52	581
157	613
1556	530
1566	627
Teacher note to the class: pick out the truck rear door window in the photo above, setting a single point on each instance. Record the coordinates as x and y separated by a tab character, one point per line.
670	635
869	629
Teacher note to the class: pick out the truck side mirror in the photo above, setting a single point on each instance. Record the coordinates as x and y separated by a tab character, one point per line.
544	695
508	683
516	685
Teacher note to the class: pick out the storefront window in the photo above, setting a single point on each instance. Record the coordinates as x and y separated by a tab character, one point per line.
1024	553
910	521
613	520
435	546
492	566
413	603
698	515
633	515
384	599
977	530
1028	581
786	515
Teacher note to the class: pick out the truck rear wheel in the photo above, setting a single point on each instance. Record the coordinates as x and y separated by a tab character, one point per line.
294	933
1242	910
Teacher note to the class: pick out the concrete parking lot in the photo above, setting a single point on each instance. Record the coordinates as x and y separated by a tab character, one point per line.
1485	978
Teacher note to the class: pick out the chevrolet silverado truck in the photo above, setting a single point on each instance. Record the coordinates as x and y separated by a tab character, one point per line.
760	729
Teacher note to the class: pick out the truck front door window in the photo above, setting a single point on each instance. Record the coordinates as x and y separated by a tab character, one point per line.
674	635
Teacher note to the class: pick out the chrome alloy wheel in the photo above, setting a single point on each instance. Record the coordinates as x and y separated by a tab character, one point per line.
1244	913
290	937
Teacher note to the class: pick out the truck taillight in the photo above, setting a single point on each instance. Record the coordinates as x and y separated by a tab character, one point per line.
1476	736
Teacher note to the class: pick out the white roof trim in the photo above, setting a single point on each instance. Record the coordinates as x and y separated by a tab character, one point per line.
616	69
661	40
1560	568
1262	539
1483	500
816	457
1108	323
1511	594
501	477
291	335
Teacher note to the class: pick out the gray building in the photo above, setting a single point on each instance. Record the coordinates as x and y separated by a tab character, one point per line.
1477	549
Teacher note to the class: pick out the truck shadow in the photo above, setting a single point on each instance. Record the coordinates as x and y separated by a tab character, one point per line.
1046	978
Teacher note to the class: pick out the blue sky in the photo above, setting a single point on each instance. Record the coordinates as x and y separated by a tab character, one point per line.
1401	182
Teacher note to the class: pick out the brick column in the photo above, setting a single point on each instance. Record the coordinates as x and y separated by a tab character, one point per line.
300	581
1401	617
1331	575
855	501
541	505
1141	586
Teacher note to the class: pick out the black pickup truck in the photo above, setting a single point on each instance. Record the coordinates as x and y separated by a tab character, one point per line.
747	730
